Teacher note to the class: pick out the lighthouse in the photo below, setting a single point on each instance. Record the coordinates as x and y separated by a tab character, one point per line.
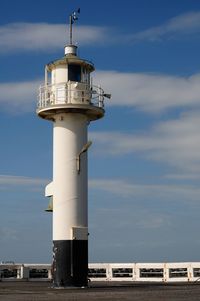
69	100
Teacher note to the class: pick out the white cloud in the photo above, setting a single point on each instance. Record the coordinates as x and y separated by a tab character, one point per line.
128	190
44	36
8	234
153	222
150	92
50	37
187	23
183	176
174	142
19	97
10	180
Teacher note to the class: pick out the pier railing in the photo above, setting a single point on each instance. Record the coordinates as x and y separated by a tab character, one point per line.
136	272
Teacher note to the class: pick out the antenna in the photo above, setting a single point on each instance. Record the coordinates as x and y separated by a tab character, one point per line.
72	18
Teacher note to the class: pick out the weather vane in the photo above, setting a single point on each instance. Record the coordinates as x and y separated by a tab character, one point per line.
72	18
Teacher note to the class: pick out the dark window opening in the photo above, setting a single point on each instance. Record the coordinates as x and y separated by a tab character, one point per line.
38	273
151	273
97	273
122	272
8	273
74	73
196	272
85	76
178	272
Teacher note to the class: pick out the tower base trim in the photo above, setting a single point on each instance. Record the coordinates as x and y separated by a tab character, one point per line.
70	263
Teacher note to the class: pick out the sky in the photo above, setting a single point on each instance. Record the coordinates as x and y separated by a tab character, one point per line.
144	163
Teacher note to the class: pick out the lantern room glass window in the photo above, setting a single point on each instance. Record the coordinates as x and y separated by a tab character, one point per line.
74	72
85	76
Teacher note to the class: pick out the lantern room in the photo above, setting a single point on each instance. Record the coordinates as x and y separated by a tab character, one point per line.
68	85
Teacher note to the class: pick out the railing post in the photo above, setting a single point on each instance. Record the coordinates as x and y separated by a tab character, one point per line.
137	272
40	97
66	93
45	93
49	274
101	104
134	272
19	270
109	272
69	92
190	272
24	272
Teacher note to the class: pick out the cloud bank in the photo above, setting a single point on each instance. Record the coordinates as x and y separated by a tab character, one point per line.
178	26
48	37
118	187
151	93
10	180
19	97
127	190
173	142
44	36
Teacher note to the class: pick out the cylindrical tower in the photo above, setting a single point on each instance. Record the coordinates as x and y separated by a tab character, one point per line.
69	100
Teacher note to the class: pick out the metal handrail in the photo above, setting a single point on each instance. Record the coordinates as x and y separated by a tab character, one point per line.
70	93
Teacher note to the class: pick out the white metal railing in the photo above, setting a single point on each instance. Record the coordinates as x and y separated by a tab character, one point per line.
137	272
70	93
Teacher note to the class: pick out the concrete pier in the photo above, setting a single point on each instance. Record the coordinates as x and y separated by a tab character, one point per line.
107	291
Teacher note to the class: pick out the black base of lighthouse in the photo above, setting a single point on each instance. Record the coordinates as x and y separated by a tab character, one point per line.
70	263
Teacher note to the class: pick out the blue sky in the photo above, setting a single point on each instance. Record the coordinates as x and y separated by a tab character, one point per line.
144	163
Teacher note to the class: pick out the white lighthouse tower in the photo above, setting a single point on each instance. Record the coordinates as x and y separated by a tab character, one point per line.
70	101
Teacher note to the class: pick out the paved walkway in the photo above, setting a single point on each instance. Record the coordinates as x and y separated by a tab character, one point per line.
41	291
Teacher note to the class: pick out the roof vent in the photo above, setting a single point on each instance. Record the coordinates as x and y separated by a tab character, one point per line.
70	49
